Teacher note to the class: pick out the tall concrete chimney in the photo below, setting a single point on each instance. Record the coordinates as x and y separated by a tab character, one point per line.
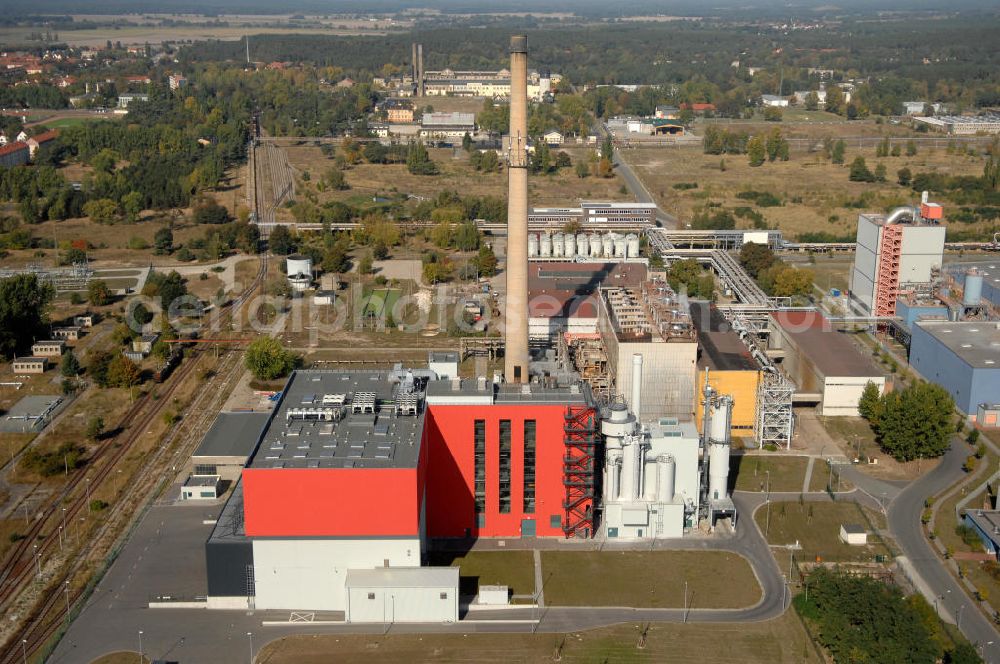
413	64
420	70
516	313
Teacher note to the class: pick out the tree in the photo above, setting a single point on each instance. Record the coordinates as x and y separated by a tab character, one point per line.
281	241
334	178
916	421
991	172
132	203
418	161
267	359
101	210
755	258
859	171
163	241
880	172
773	114
169	287
98	293
24	304
904	177
911	148
812	101
486	261
208	211
837	153
756	151
95	427
123	372
834	100
365	264
870	403
582	169
466	142
69	366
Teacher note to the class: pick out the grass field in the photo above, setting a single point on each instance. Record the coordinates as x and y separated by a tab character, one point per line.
514	569
648	579
816	527
780	641
63	123
816	194
368	181
751	472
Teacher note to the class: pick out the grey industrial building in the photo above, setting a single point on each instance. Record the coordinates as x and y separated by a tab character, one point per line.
228	444
962	357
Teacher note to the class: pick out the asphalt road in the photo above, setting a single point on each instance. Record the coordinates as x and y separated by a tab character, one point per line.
904	523
635	185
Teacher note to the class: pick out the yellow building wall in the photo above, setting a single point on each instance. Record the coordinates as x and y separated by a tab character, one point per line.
742	386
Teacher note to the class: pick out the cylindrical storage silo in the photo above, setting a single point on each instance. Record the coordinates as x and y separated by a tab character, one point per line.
608	245
582	245
665	472
632	245
558	244
545	245
532	245
718	471
973	293
569	250
631	468
616	426
614	471
721	414
299	271
595	245
619	243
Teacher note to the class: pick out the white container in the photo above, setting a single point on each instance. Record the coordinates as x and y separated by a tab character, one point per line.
619	244
545	246
608	245
631	245
532	245
582	245
569	245
596	246
665	474
558	244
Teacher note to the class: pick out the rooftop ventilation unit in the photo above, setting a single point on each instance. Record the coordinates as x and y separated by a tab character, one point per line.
334	399
407	404
363	402
313	414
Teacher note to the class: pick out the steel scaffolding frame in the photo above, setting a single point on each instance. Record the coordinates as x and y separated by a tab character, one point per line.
579	476
774	410
887	282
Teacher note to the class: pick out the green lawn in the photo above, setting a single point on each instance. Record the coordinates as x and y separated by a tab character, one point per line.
63	123
648	579
514	569
779	641
816	527
750	472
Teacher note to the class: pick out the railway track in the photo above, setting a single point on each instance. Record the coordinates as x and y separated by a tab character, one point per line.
23	562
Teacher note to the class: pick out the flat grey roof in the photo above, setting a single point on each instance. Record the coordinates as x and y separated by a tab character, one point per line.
988	521
976	343
443	356
852	528
720	347
403	577
343	419
232	435
829	349
202	480
31	413
533	393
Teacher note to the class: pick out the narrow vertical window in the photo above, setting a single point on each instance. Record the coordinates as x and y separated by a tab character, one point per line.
529	466
504	466
479	450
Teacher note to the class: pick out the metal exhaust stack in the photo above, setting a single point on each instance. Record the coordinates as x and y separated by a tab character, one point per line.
516	309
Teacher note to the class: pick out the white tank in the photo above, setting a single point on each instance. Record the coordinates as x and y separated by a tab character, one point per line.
632	245
608	245
618	425
299	271
972	294
619	242
631	468
614	473
532	245
718	471
582	245
720	426
665	474
569	249
595	245
545	245
558	245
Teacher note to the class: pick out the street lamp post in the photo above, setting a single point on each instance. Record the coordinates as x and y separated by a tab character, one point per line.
959	622
250	636
24	650
141	655
685	601
66	593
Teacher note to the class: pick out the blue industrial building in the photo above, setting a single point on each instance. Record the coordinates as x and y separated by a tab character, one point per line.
988	274
910	310
962	357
